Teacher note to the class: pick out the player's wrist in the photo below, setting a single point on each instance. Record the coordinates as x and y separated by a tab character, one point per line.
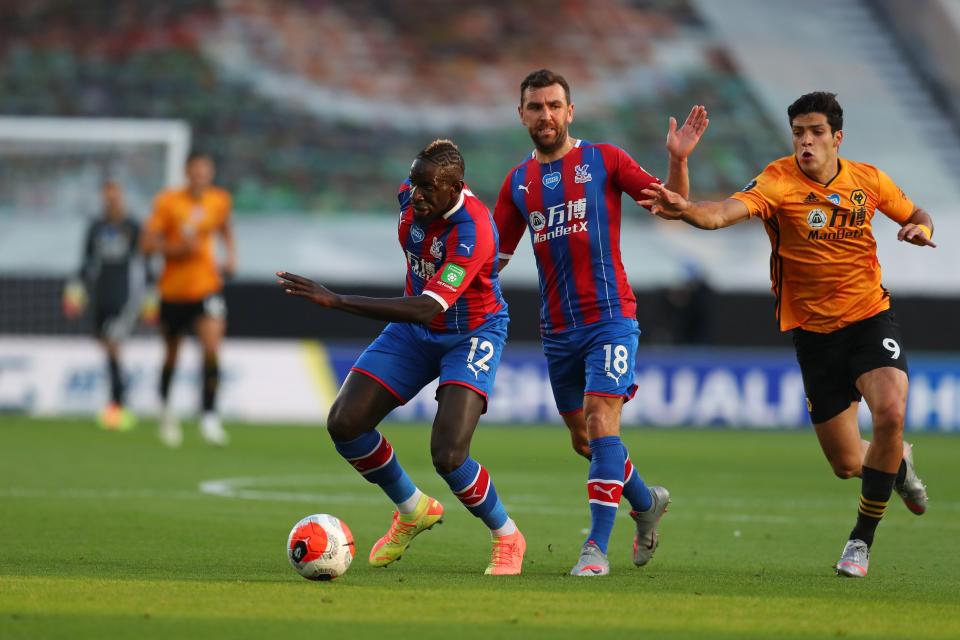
332	301
179	250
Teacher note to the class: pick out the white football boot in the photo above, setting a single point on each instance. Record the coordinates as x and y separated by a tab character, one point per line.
592	562
854	560
912	491
212	431
646	539
170	432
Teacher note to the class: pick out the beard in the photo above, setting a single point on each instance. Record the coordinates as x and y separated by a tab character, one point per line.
558	141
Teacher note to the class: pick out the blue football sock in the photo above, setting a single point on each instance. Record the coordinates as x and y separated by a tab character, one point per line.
604	487
635	490
473	486
372	455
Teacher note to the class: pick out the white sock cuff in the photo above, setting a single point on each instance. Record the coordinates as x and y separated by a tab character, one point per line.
410	504
508	527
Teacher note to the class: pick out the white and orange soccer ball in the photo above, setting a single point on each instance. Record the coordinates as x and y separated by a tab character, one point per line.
320	547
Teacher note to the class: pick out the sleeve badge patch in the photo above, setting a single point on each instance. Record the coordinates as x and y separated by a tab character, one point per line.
453	274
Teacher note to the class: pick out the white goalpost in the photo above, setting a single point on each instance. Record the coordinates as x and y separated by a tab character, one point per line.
107	133
51	170
61	155
51	174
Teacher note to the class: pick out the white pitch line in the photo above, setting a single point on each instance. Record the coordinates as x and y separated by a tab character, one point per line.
524	503
230	488
14	492
253	488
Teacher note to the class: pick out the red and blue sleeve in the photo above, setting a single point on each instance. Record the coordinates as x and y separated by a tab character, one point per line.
509	220
629	176
470	248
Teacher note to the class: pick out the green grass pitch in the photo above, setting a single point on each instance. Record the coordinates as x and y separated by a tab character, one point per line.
109	535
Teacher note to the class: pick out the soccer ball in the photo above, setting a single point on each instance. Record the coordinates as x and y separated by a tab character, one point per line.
320	547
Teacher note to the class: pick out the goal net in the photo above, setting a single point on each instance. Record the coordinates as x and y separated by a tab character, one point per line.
51	172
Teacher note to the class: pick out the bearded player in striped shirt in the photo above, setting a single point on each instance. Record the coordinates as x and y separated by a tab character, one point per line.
568	194
450	323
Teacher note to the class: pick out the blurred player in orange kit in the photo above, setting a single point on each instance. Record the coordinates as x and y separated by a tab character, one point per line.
818	211
183	228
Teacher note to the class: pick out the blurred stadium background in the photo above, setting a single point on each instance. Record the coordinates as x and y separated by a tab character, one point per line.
313	110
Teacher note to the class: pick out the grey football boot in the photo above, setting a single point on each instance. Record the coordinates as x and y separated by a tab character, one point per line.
646	539
912	490
592	562
854	560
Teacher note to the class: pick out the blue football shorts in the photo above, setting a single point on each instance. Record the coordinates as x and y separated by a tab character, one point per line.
598	360
406	357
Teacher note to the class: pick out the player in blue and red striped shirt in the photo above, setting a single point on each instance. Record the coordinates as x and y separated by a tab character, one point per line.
568	195
450	323
466	234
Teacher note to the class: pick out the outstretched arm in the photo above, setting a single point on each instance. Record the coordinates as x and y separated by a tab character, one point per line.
918	229
680	144
703	215
420	309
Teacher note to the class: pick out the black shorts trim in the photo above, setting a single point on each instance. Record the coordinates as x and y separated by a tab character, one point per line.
831	362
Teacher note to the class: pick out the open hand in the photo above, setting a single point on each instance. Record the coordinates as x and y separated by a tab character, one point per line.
74	299
229	268
915	235
183	248
295	285
150	307
681	142
663	202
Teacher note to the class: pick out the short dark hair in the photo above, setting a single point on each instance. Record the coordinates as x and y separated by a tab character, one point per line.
446	155
818	102
197	154
544	78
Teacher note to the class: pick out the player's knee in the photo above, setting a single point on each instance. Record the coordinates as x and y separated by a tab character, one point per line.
601	424
341	424
447	459
845	463
846	469
889	415
581	447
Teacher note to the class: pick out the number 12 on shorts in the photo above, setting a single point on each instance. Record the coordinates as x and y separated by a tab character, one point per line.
481	363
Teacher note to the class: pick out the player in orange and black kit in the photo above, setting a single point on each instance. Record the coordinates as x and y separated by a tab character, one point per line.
818	212
182	228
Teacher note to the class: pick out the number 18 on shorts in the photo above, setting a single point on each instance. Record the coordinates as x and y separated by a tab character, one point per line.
598	359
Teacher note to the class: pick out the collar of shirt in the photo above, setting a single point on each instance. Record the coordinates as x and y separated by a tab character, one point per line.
456	207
